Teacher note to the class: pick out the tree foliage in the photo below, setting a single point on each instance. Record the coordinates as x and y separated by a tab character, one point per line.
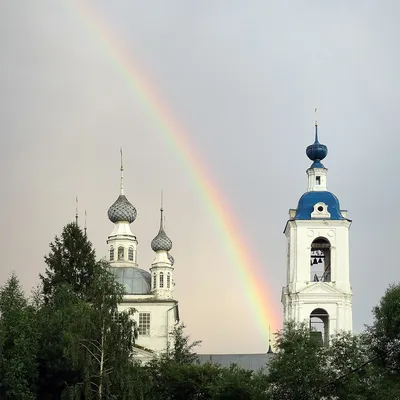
182	351
70	342
300	364
71	261
18	343
384	333
86	344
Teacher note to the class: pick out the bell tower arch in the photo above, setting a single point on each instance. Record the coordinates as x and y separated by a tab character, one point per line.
318	287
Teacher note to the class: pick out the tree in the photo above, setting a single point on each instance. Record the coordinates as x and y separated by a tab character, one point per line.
102	342
182	351
350	375
299	366
237	383
86	345
72	261
384	334
56	321
18	343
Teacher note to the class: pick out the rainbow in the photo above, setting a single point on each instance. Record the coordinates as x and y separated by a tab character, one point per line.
247	266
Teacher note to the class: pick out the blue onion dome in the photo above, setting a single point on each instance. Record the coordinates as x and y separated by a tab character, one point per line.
122	210
161	241
316	151
171	259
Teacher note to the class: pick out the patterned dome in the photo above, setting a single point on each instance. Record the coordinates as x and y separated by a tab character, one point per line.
171	259
122	211
161	241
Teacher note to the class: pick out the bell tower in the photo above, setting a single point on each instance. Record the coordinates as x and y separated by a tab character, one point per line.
318	288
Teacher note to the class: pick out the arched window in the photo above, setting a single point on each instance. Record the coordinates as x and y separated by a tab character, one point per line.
111	253
161	279
130	254
121	255
319	325
320	261
168	280
154	280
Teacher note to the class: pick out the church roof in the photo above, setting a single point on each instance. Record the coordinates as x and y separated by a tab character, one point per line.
161	241
251	362
309	199
134	280
122	210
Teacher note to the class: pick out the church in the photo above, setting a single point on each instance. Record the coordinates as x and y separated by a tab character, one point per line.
317	289
318	286
149	292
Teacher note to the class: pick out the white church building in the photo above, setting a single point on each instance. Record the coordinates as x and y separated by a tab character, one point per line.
318	288
150	292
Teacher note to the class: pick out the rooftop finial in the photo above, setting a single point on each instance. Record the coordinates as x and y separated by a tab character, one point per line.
316	125
85	222
269	340
76	210
161	210
122	175
161	241
316	151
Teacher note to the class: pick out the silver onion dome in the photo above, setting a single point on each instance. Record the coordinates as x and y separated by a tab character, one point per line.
161	241
122	210
171	259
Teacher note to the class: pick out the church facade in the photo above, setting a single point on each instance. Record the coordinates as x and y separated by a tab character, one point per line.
149	292
318	289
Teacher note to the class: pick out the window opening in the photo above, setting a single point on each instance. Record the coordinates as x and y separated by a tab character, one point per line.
168	280
117	317
121	255
130	254
154	280
319	326
144	324
318	180
111	253
320	261
161	279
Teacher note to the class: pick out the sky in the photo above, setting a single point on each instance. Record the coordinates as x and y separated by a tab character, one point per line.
242	79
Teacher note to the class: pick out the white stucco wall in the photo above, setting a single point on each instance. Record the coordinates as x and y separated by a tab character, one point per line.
161	317
301	295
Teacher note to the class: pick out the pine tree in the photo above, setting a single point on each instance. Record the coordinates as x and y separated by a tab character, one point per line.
183	351
71	261
18	343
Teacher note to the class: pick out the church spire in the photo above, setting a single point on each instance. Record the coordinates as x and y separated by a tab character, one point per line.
85	224
162	265
316	126
269	340
76	211
316	152
161	241
122	210
317	173
122	175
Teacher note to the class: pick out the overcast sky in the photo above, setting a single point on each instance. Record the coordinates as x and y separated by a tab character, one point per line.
242	78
